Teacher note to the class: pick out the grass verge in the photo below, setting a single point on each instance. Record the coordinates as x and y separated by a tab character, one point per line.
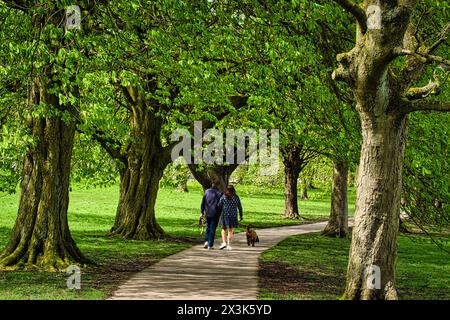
314	267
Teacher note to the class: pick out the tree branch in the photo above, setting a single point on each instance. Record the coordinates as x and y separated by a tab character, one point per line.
110	145
344	72
130	94
424	58
424	105
443	36
120	103
356	11
17	4
432	88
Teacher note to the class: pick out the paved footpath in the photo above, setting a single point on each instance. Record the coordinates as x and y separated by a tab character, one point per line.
200	274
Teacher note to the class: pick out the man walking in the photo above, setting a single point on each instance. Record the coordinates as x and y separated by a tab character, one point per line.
209	203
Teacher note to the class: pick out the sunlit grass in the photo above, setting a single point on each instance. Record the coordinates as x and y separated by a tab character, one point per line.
91	215
316	267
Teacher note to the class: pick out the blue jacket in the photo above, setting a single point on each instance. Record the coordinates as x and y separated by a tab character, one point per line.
209	202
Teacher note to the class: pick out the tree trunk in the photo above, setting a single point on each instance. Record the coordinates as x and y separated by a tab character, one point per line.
290	193
291	173
135	216
304	193
295	158
384	96
374	239
381	101
338	222
139	181
221	173
41	237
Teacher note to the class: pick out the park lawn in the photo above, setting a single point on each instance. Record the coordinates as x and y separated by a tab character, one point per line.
313	267
91	215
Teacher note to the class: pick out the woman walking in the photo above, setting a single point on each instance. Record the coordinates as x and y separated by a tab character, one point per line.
228	205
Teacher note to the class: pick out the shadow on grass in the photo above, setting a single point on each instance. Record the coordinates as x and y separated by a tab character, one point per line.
283	280
314	267
88	224
99	246
115	260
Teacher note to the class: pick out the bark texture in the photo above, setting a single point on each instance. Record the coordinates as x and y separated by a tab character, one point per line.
374	240
338	222
145	160
381	101
41	237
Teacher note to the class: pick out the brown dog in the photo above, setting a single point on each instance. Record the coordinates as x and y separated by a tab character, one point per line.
252	237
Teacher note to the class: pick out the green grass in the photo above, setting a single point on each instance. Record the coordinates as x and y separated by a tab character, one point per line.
91	215
313	267
301	267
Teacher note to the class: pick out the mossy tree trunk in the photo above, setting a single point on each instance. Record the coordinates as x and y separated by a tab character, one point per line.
384	96
338	222
375	229
41	237
145	160
135	215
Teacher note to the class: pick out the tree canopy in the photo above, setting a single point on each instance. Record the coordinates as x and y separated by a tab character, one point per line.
96	104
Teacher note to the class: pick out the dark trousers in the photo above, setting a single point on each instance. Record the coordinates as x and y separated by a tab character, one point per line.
210	231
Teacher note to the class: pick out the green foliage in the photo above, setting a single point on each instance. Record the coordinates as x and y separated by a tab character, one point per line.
14	142
176	176
289	51
250	174
189	58
91	166
426	193
318	173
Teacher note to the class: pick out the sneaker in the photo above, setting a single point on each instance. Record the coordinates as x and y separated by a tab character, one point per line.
229	248
210	248
205	245
223	246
